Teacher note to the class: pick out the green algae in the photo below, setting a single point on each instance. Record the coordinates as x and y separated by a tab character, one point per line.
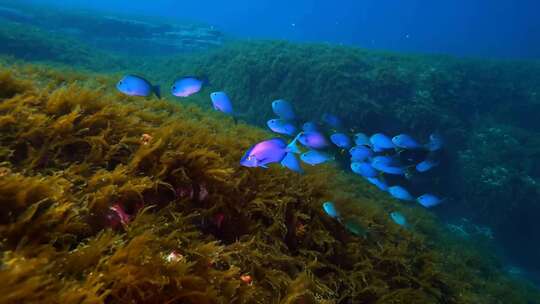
461	98
73	150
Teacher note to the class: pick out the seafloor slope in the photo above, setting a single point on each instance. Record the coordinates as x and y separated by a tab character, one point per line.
106	198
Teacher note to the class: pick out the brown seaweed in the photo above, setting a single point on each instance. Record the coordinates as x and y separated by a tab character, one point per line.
193	223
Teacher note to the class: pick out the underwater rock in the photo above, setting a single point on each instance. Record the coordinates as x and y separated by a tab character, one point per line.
142	36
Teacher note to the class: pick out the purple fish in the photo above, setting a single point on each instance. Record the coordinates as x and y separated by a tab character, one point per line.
270	151
314	140
266	152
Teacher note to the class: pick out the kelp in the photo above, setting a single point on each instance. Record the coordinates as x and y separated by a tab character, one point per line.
112	199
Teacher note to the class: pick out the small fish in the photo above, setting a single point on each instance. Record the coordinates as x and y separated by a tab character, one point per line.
387	164
309	127
187	86
361	139
428	200
426	165
266	152
360	153
398	218
364	169
291	162
405	141
341	140
281	126
381	142
283	109
379	183
331	210
221	102
355	227
400	193
133	85
435	142
332	120
314	140
314	157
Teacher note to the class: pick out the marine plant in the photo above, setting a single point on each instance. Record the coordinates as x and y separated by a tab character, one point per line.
112	199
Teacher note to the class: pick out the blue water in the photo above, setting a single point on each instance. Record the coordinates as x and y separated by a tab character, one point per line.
484	28
475	28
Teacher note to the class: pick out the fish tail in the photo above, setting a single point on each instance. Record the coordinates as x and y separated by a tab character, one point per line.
157	91
290	162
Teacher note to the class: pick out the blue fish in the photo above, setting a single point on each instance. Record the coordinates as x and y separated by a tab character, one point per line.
221	102
426	165
381	142
428	200
360	153
400	193
364	169
332	120
133	85
283	109
314	140
361	139
291	161
435	142
281	126
187	86
341	140
379	183
387	164
405	141
331	210
314	157
310	127
398	218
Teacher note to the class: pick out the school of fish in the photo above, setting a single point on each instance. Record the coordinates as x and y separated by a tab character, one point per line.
374	157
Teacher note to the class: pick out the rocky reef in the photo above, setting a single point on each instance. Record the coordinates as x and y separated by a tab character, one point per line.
485	109
111	199
123	34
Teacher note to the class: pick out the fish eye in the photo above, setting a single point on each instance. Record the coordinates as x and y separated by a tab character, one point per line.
174	87
120	83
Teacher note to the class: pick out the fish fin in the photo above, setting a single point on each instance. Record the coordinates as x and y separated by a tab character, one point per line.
157	90
290	162
293	147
